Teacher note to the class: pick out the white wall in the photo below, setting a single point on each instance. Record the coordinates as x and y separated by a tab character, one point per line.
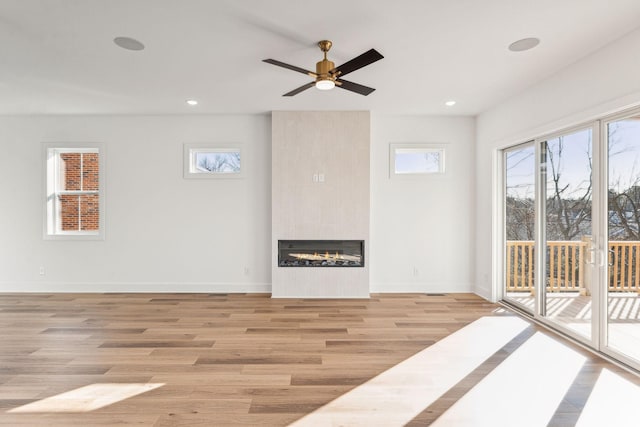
426	224
163	232
604	82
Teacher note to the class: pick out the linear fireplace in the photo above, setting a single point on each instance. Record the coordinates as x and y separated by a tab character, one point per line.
320	253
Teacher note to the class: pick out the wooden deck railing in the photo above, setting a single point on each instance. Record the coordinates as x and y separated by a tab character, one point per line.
566	266
520	263
624	266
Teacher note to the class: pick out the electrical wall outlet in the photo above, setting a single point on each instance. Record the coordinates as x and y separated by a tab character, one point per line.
42	270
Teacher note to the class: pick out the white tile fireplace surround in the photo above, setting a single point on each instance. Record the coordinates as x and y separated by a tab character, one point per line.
320	192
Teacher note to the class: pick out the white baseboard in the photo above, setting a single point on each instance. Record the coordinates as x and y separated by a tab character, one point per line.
143	287
321	296
217	287
414	287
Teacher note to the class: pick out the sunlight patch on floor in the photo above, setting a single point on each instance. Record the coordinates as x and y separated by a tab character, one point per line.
625	338
397	395
87	398
613	402
527	387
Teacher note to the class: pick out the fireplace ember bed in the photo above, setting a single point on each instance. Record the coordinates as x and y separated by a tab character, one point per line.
320	253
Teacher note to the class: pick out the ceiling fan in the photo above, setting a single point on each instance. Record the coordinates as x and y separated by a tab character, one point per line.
328	76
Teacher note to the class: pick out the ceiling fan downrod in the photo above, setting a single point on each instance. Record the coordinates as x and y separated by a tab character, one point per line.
323	67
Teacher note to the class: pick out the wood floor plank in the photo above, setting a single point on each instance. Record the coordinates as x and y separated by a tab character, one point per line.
156	344
260	360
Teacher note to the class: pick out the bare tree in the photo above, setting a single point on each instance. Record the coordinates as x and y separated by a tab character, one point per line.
520	218
624	214
520	197
569	191
221	162
568	205
623	195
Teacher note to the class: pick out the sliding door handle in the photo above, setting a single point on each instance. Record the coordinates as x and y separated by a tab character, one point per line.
612	260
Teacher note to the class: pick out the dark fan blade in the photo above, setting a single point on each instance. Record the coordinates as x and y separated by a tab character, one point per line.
358	62
290	67
354	87
300	89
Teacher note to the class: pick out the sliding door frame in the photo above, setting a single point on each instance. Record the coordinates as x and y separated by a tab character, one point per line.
596	231
603	339
540	248
502	237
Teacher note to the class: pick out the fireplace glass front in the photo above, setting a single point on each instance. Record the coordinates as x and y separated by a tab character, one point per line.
321	253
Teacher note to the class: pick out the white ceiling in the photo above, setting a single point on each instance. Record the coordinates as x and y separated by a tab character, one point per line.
58	56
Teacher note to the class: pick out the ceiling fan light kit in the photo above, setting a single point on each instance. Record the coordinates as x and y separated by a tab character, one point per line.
327	84
328	76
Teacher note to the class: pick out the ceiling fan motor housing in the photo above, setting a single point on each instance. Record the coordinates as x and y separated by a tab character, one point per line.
322	70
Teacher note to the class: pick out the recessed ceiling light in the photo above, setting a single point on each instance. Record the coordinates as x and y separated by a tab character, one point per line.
524	44
128	43
450	103
192	102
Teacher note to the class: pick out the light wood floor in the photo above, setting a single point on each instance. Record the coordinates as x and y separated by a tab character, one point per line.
221	359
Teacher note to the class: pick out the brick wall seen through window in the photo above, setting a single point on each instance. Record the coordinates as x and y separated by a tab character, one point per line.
79	173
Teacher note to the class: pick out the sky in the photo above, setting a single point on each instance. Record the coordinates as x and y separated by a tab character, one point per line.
573	165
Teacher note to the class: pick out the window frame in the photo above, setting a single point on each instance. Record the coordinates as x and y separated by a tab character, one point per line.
51	172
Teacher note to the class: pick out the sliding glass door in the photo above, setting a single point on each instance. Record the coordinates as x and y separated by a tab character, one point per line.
567	170
571	228
621	336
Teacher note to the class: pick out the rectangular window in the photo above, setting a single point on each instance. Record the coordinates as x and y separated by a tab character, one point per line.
416	159
204	161
74	201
